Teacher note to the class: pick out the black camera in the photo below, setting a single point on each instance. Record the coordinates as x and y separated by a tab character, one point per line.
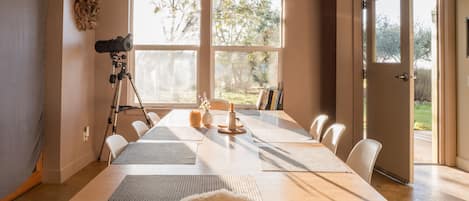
120	44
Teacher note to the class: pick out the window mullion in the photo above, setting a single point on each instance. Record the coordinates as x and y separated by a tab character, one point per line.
204	63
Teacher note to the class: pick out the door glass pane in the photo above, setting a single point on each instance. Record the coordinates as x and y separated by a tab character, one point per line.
166	76
240	75
388	31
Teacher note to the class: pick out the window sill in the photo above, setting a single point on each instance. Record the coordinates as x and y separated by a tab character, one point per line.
169	107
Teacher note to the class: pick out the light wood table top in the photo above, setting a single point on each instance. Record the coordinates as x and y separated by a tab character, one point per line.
220	154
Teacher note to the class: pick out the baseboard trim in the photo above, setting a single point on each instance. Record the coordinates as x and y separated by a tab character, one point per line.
51	176
462	163
73	167
391	176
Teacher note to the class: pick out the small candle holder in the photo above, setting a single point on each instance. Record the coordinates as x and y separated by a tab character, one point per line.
194	118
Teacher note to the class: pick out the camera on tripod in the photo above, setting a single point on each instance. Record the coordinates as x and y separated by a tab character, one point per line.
117	49
119	60
119	44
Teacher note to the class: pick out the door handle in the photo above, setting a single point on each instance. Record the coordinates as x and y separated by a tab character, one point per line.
404	76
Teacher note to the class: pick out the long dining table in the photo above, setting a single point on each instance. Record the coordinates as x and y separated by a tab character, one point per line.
224	154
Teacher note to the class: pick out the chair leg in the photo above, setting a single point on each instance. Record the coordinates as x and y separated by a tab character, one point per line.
109	159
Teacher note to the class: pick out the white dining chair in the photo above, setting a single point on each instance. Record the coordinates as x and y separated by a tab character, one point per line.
116	144
363	157
317	126
154	118
332	136
219	104
140	127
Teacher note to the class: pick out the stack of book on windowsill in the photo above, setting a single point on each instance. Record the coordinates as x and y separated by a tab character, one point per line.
270	99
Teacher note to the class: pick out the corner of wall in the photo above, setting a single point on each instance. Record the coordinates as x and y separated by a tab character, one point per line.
52	92
462	163
51	176
77	95
69	94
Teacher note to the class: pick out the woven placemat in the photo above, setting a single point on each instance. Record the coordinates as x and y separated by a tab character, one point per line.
175	133
176	187
299	157
158	153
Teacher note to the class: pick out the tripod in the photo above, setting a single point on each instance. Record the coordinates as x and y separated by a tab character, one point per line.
119	60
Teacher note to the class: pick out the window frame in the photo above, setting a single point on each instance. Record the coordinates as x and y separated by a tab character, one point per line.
150	47
197	48
237	48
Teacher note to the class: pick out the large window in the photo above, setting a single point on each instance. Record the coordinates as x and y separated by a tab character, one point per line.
245	52
246	42
166	39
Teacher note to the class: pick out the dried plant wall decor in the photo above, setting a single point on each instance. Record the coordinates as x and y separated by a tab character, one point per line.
86	12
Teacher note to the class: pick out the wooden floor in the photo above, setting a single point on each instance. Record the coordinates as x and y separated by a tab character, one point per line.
65	191
431	183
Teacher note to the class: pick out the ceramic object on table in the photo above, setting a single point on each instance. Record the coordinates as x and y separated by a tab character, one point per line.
207	119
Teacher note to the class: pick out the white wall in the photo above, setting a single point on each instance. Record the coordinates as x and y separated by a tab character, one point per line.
77	94
69	94
303	58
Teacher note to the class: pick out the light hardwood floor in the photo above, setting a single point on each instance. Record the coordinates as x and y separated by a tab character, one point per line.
65	191
431	183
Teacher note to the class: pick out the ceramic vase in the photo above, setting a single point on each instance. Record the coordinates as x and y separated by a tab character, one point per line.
207	119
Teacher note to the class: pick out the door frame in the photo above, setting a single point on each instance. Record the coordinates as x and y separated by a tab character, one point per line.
446	83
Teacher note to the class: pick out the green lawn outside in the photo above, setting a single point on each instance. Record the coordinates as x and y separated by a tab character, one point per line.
423	116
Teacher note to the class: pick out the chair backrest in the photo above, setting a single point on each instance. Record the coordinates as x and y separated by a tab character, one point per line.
363	156
332	136
154	118
317	126
219	104
116	143
140	128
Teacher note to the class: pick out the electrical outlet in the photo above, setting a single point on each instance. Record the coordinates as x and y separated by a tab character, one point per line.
86	133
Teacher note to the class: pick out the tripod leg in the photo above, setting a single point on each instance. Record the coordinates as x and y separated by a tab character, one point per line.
106	131
102	144
116	105
139	100
109	121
